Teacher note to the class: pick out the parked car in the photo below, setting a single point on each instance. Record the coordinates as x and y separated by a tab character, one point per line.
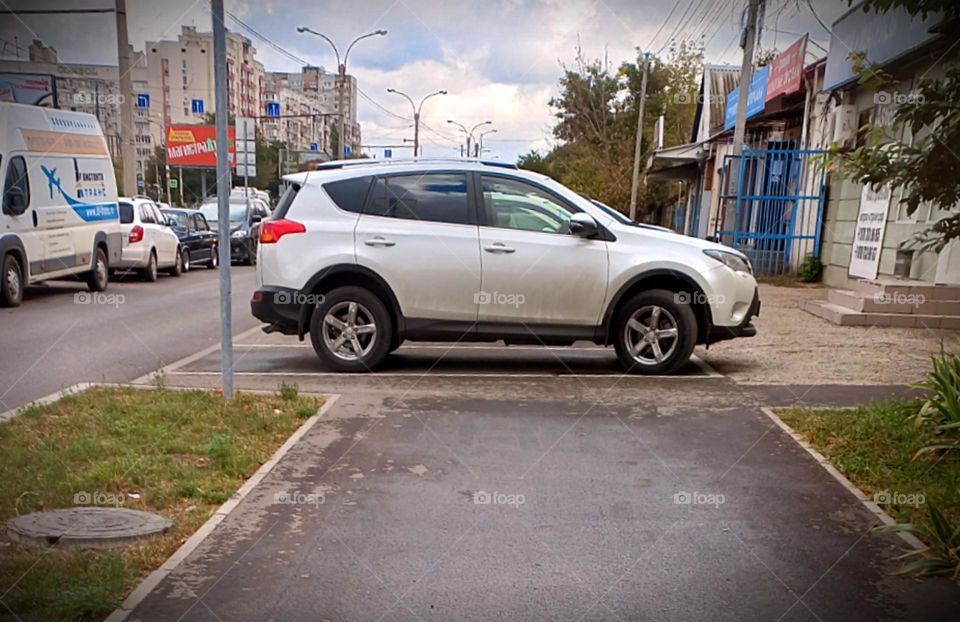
362	256
59	196
245	217
150	244
198	243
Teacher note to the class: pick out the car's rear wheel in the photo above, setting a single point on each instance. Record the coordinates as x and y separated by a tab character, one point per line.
214	259
654	332
351	330
11	285
150	272
98	278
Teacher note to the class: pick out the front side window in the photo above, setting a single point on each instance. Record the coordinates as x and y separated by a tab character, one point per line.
434	197
199	223
16	187
514	204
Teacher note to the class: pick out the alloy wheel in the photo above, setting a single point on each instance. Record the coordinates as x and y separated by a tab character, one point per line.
651	334
349	331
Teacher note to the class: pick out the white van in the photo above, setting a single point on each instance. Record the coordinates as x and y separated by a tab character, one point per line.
59	200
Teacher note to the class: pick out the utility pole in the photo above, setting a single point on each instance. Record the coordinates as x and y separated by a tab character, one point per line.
128	149
223	196
739	130
637	150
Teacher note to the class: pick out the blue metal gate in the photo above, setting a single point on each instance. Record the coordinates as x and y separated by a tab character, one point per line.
773	210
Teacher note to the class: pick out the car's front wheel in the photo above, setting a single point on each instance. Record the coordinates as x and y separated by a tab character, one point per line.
351	330
655	332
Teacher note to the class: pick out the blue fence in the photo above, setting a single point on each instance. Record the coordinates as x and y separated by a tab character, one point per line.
772	208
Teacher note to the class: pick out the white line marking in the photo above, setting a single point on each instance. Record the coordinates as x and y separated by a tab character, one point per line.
415	373
190	359
158	575
874	509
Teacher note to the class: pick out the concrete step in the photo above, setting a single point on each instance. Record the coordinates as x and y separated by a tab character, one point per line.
895	288
844	316
893	302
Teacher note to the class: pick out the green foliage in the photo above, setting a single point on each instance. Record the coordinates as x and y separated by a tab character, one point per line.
810	270
942	408
922	8
288	391
942	556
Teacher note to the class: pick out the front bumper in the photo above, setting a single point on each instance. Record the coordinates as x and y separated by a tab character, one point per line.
744	329
278	307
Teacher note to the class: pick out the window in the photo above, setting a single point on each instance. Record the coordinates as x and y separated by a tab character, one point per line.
126	213
16	187
157	215
146	214
436	197
349	194
513	204
200	223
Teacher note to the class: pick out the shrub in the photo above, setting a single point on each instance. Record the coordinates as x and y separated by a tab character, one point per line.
810	270
942	408
942	557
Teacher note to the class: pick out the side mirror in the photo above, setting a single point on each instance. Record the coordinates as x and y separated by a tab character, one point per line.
583	225
172	221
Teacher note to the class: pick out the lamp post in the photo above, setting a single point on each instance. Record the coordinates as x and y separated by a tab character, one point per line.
416	115
341	74
469	132
480	141
163	132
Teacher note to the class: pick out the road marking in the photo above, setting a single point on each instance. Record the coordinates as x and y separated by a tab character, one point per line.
418	373
154	578
189	359
874	509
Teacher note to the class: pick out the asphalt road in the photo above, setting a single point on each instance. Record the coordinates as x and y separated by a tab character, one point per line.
57	338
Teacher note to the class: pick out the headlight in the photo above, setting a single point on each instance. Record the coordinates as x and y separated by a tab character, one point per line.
239	233
733	261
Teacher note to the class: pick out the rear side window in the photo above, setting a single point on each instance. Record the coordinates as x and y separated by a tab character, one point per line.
349	194
285	200
435	197
126	213
146	215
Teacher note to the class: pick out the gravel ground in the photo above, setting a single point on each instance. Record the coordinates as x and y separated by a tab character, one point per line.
795	347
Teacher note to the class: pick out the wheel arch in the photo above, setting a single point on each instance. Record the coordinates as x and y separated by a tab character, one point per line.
358	276
670	280
13	244
100	241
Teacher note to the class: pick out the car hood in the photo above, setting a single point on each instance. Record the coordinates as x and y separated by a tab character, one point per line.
638	234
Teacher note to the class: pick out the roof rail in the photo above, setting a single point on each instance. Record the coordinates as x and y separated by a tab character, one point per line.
335	164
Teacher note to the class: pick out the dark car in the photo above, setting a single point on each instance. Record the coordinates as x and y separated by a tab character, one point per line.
245	217
198	243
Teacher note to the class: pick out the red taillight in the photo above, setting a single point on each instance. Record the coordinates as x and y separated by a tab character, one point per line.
136	234
273	230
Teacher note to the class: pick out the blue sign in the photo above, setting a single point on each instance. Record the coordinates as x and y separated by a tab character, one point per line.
314	147
197	106
140	185
273	109
143	100
388	153
755	99
346	151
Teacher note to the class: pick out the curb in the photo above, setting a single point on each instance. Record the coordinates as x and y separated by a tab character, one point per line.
80	387
911	540
154	578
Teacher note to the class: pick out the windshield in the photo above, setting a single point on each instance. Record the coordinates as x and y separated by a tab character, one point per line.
238	211
609	211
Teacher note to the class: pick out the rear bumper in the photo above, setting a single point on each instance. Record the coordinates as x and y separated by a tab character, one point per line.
744	329
278	307
136	255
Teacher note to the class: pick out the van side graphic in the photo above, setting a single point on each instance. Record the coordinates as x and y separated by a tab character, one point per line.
89	212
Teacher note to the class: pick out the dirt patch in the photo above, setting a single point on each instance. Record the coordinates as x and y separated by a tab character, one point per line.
795	347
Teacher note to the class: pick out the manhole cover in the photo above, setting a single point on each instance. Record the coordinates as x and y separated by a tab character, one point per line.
87	527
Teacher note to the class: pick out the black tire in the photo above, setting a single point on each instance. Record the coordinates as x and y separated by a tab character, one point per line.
98	278
185	260
674	312
214	261
251	257
370	307
177	268
149	273
11	282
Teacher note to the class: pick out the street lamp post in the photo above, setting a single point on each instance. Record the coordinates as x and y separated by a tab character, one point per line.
416	116
166	163
341	75
480	141
469	132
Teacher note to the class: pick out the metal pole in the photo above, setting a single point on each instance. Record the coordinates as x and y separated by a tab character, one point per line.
128	152
180	169
416	134
739	129
637	149
223	197
203	184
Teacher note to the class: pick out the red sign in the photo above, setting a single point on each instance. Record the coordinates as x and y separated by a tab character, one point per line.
196	145
786	70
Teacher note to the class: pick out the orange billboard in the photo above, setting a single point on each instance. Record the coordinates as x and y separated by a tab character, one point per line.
196	145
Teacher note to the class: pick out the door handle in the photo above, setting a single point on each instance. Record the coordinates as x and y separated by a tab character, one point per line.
379	241
498	247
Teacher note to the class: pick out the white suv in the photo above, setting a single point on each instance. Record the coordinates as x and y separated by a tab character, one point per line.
363	256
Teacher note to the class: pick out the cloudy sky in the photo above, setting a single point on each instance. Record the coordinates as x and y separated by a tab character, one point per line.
498	59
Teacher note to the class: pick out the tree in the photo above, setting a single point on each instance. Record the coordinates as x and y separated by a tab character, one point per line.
918	151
